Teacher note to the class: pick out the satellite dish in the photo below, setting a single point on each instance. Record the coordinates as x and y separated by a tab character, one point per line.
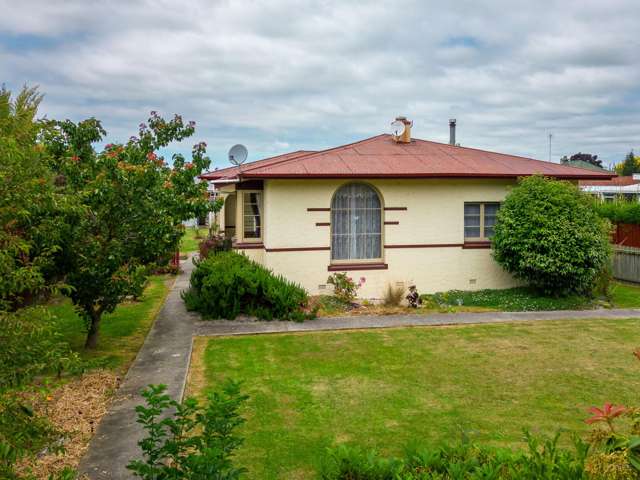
238	154
397	128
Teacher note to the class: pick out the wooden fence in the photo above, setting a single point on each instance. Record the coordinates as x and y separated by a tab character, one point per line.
626	263
626	234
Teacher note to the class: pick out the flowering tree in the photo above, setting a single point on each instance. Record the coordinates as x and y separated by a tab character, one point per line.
133	205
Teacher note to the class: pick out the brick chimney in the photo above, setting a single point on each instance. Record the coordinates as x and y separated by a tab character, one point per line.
406	135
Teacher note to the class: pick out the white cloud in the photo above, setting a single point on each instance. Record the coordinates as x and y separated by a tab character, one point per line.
284	75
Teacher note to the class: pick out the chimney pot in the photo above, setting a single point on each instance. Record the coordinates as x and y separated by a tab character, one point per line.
452	131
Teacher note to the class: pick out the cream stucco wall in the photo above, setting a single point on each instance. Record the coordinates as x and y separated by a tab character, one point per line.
434	215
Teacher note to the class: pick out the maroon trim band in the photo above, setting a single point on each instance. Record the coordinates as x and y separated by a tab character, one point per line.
392	223
318	209
426	245
322	224
297	249
357	266
388	209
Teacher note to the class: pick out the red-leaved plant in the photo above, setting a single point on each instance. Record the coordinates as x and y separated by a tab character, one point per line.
616	449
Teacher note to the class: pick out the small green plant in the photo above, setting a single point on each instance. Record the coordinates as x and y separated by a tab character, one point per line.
544	459
188	440
344	288
227	284
393	296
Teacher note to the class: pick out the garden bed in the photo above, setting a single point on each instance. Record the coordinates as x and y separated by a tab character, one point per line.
508	300
387	389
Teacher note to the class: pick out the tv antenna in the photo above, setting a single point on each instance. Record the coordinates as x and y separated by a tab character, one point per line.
550	138
238	154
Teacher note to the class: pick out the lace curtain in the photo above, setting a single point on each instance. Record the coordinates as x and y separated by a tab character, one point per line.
356	223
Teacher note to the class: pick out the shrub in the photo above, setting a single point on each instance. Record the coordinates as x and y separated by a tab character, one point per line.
549	234
543	460
214	244
344	288
393	296
188	440
227	284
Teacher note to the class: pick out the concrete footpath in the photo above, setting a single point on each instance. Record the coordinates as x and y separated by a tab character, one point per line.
247	327
163	358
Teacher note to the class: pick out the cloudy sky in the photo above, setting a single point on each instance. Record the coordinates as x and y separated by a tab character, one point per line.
284	75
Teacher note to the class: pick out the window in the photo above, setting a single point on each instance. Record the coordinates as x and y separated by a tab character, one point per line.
480	220
356	223
251	215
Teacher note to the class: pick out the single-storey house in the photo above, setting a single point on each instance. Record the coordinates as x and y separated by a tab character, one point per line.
392	209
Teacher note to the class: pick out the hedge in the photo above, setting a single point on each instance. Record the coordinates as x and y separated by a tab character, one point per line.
620	212
227	284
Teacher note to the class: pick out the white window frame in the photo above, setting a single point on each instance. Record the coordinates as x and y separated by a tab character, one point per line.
240	216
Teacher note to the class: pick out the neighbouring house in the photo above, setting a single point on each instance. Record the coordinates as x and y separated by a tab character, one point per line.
626	187
395	210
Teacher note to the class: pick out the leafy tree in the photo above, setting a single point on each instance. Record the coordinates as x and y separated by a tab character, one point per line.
34	217
549	234
134	205
629	166
583	157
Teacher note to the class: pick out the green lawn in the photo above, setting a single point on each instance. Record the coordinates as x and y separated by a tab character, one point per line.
387	388
121	332
625	295
189	242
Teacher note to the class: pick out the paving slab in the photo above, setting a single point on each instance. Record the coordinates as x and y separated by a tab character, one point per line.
249	327
163	358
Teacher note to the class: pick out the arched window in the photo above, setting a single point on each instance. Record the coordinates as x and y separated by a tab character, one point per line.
356	223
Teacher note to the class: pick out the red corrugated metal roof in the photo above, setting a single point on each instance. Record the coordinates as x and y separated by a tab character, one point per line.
614	182
231	172
381	156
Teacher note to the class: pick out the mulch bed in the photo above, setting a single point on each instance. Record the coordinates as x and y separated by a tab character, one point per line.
75	408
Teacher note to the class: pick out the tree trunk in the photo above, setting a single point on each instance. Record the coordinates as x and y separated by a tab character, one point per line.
94	329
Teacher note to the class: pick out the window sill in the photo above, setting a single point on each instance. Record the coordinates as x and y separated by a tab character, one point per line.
476	244
356	266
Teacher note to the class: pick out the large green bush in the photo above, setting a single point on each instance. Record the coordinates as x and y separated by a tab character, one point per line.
620	212
227	284
549	234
